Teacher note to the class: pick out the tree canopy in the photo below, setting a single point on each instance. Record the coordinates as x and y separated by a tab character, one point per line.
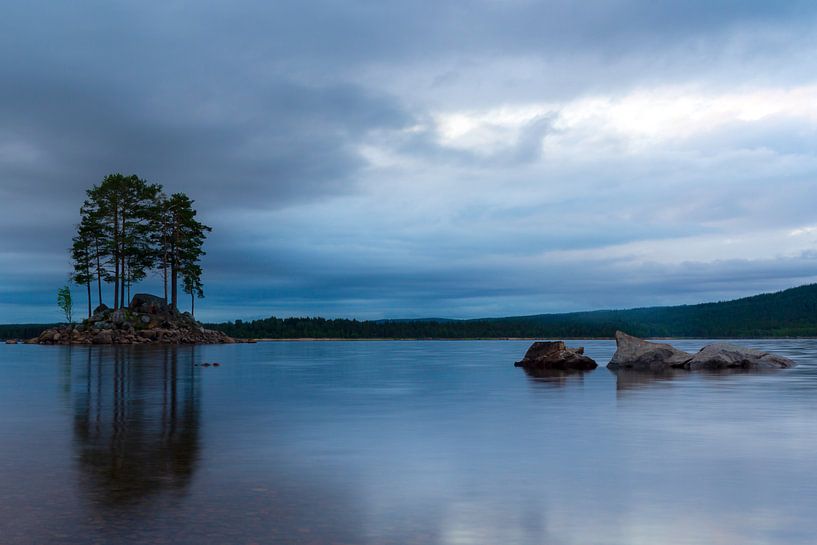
129	228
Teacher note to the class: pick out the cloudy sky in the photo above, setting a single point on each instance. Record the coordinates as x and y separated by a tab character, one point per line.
402	159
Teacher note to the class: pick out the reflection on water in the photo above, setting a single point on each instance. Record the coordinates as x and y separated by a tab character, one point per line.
136	421
553	377
379	443
628	379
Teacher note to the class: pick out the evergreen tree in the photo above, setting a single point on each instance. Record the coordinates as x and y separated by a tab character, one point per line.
82	254
191	280
183	243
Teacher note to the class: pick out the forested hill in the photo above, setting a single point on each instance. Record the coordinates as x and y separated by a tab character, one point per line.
792	312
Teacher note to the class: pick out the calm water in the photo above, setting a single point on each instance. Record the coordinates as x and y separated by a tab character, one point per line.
399	442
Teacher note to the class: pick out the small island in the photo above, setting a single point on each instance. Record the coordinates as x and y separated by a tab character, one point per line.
128	229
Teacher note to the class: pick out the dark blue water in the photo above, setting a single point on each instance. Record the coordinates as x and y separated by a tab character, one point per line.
399	442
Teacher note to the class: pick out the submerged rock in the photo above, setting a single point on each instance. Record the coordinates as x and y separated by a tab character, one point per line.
729	356
638	354
556	355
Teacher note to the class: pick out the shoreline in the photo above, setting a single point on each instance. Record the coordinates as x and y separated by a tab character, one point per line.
369	339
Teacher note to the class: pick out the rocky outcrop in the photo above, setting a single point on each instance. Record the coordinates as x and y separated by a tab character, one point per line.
555	356
728	356
148	319
638	354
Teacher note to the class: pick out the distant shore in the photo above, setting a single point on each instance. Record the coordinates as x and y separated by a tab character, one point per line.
328	339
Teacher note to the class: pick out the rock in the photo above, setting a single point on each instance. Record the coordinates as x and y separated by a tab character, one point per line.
11	341
101	312
555	355
103	325
145	319
119	317
103	337
149	304
729	356
635	353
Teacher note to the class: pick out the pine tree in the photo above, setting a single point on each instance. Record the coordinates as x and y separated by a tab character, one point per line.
191	280
183	242
82	254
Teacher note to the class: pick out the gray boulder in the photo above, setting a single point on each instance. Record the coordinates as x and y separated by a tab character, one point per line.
635	353
556	356
729	356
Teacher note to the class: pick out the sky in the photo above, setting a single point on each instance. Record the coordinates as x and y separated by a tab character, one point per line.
379	159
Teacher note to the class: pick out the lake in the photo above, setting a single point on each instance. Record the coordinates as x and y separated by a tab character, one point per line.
409	442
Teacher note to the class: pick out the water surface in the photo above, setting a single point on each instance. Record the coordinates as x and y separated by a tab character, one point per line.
399	443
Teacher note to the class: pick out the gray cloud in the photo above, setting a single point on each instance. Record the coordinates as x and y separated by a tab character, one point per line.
310	137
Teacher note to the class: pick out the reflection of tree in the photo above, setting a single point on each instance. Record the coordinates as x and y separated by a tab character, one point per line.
136	420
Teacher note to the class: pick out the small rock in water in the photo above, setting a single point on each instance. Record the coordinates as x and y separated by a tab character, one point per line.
729	356
556	355
635	353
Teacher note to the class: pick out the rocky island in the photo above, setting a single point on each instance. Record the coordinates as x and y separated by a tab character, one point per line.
148	319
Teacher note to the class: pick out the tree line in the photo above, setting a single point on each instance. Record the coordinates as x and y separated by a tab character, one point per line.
789	313
129	228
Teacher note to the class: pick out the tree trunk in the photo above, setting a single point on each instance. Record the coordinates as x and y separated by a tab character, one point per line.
89	292
98	272
174	280
164	271
124	303
116	256
192	304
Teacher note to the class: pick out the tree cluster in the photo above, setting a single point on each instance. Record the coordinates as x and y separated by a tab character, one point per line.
129	228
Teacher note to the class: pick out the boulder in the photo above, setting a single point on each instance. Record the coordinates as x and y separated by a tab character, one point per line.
103	337
149	304
556	356
101	312
635	353
11	341
728	356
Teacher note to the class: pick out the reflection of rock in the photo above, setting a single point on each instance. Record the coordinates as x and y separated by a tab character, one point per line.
627	379
553	377
728	356
555	356
136	421
635	353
